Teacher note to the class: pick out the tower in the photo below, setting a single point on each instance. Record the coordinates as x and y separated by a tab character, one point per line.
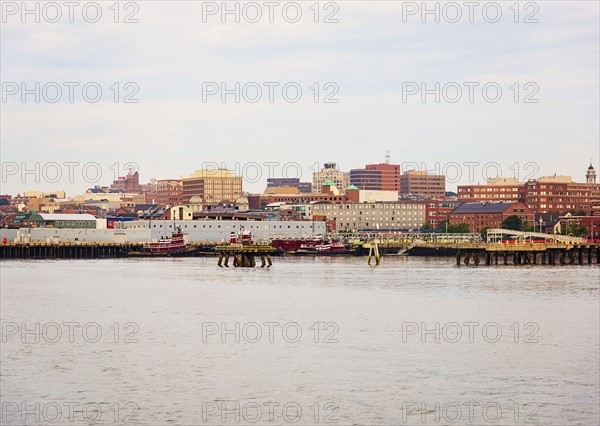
590	176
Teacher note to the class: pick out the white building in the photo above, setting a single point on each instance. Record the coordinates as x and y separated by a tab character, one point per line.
330	172
357	216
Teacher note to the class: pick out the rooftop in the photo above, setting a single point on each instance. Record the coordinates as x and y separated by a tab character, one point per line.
61	216
482	207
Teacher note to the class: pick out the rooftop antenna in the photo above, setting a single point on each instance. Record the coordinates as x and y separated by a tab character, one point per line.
387	157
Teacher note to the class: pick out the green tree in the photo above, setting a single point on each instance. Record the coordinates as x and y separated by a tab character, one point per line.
454	228
527	227
426	226
459	228
512	222
484	232
575	229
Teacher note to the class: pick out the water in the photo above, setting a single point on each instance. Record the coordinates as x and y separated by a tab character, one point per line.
369	363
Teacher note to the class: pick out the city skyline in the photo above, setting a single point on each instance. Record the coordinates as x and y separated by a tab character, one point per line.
472	173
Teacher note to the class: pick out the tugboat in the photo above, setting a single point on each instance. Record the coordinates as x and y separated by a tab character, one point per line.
173	246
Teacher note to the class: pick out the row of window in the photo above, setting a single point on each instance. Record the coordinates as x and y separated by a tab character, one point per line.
371	206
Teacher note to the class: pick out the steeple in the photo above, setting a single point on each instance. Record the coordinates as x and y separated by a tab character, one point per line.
590	176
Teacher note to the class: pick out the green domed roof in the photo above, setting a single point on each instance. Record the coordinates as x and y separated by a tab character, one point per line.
328	183
352	187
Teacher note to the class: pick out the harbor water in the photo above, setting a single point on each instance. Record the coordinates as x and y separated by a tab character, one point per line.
413	341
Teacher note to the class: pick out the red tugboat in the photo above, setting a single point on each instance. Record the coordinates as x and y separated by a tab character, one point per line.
173	246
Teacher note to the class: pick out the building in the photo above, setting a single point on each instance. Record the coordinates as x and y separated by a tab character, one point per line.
423	184
212	186
329	194
330	172
560	194
590	175
302	187
382	216
480	215
129	183
47	205
259	201
169	192
41	194
437	211
499	189
378	177
181	213
199	230
57	220
547	194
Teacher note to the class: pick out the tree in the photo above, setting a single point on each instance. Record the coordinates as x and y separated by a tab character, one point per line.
527	227
513	223
575	229
426	226
453	228
458	228
484	232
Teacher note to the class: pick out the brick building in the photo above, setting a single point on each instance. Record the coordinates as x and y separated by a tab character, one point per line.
548	194
169	192
379	177
481	215
129	183
424	184
437	211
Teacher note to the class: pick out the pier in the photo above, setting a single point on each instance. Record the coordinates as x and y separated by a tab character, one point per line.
65	250
528	254
244	255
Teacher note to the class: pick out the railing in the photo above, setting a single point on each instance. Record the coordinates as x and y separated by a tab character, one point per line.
495	235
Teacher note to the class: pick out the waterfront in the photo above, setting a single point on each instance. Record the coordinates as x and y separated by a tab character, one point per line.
354	347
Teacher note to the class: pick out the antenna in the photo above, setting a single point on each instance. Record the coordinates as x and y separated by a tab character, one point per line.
387	157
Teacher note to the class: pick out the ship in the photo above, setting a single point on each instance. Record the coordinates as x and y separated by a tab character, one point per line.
174	246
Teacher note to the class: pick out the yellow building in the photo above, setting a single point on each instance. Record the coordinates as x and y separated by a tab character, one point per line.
212	186
41	194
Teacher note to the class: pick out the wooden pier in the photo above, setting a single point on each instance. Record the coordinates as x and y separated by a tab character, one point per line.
244	255
65	250
528	254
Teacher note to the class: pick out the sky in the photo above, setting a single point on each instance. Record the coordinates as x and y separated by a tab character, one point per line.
374	76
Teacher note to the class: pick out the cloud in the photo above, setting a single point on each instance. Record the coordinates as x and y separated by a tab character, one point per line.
369	54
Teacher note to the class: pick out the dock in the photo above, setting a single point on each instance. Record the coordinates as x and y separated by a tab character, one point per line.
244	255
65	250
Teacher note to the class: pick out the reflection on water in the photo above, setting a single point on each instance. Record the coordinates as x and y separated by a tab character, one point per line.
413	341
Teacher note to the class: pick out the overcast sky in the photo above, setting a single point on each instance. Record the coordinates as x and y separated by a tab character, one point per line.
375	55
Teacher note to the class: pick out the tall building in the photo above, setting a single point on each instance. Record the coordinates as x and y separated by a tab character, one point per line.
330	172
378	177
423	184
212	186
169	192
